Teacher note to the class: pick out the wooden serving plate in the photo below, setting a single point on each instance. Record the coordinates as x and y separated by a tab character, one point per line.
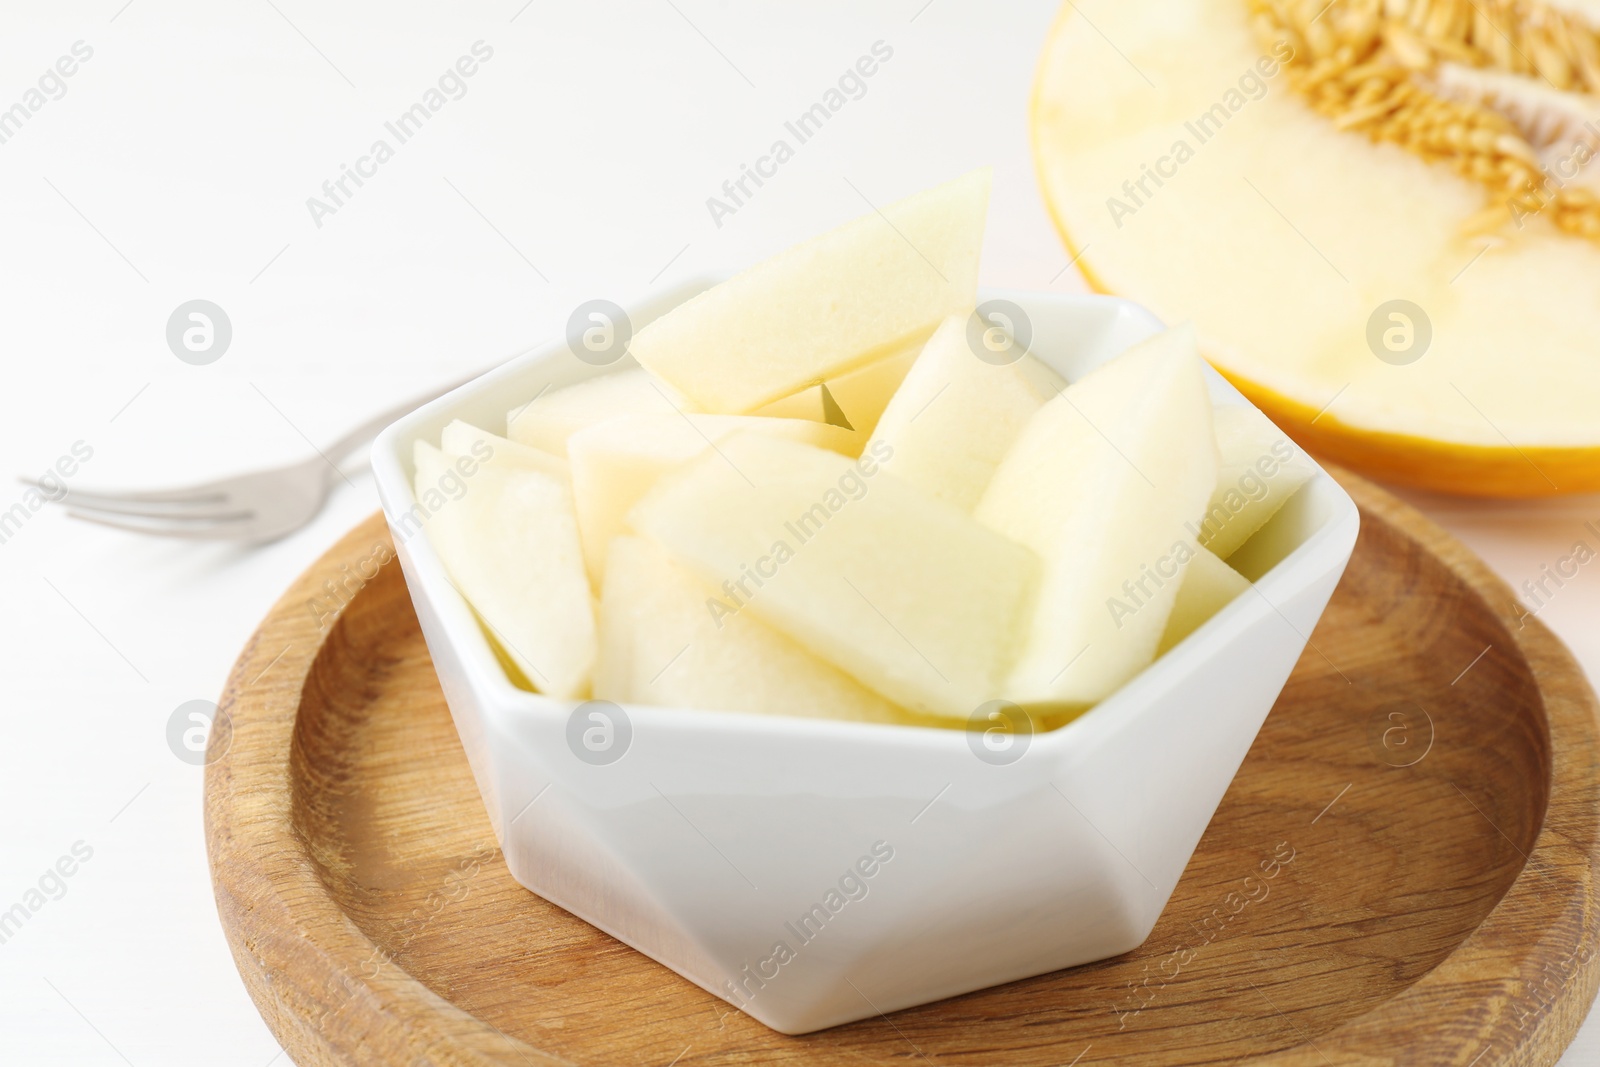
1425	794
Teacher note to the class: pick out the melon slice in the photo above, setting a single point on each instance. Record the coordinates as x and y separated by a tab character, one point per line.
905	593
955	416
1209	585
460	439
549	419
1106	483
854	400
615	462
510	544
1259	470
662	642
827	305
1191	167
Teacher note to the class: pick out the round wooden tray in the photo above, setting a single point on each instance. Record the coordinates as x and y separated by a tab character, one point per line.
1426	794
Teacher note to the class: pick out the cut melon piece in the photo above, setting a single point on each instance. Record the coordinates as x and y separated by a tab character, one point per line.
1259	469
956	416
1209	585
510	544
826	306
903	592
1194	176
854	400
662	642
614	463
548	420
464	439
1106	484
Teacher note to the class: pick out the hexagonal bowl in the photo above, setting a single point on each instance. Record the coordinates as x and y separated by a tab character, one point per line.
814	872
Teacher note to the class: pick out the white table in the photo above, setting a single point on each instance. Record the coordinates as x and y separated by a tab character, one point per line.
177	165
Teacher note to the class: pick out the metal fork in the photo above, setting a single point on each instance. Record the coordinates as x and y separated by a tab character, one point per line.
253	507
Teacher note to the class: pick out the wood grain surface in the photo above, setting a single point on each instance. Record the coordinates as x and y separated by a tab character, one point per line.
1403	871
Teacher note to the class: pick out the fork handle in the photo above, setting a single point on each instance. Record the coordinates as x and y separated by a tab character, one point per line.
369	429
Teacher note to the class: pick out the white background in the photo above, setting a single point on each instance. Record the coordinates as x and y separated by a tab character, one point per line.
178	164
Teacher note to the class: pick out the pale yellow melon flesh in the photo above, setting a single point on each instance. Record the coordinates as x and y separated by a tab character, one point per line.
859	396
464	439
827	305
1259	470
510	544
1209	585
660	644
905	593
1106	483
548	420
614	463
955	416
1279	236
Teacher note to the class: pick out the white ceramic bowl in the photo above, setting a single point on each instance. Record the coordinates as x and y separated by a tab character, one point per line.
815	872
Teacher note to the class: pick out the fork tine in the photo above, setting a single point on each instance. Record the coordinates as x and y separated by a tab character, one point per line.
199	494
220	531
184	513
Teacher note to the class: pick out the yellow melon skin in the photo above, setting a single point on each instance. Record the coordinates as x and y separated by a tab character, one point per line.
1405	451
1439	466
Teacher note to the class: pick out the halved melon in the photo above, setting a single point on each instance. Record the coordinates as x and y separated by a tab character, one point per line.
1285	173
